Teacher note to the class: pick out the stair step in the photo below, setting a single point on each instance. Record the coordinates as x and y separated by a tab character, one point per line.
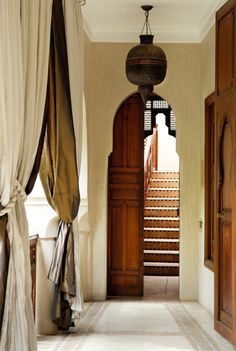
164	188
161	229
170	219
161	222
159	198
162	252
161	240
161	271
160	201
146	229
165	175
164	183
161	234
161	245
160	264
163	192
162	208
161	258
160	211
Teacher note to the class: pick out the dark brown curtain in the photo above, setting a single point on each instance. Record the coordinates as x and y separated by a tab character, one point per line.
58	170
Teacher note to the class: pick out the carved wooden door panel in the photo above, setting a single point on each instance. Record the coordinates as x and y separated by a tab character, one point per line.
224	224
125	201
225	149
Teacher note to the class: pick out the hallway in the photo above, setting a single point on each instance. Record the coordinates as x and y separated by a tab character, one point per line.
148	324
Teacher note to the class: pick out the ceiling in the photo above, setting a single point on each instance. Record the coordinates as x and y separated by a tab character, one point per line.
170	20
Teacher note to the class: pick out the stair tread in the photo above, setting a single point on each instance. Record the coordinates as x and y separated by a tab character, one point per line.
162	218
160	208
160	264
158	188
161	198
160	240
153	229
165	172
162	186
161	235
164	180
162	252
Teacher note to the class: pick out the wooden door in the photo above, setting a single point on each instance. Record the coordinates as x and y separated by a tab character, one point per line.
225	241
224	224
125	201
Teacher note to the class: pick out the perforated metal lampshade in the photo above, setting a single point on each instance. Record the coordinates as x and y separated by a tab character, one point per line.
146	63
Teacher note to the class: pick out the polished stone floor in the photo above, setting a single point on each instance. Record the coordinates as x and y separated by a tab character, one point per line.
157	322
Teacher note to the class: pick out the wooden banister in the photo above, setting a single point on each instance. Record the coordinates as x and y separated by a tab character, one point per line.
150	158
155	150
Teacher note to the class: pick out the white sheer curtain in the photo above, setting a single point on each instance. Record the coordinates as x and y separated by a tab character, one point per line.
24	50
74	38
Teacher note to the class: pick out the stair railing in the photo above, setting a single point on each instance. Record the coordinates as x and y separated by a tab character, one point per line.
150	158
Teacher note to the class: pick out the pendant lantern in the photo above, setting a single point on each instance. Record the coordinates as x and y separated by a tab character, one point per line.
146	63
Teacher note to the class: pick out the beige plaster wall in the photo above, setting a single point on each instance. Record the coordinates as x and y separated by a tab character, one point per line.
206	277
105	88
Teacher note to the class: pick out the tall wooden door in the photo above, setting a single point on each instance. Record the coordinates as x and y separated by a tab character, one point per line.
225	241
125	201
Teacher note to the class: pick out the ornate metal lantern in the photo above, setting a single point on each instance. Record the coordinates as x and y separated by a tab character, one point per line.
146	63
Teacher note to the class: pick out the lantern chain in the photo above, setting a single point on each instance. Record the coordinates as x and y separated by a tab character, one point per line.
147	24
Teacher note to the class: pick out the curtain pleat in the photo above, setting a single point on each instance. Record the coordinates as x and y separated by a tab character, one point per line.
58	170
58	260
4	259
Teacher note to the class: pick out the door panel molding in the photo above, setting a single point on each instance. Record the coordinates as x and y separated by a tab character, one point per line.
210	194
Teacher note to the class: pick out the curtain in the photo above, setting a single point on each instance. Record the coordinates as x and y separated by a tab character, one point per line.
24	52
61	159
75	45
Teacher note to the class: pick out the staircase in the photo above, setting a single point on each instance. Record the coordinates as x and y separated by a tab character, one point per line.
161	225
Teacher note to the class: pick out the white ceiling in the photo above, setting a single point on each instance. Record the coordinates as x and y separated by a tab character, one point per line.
170	20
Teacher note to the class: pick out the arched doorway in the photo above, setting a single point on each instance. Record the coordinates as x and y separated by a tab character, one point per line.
161	201
126	197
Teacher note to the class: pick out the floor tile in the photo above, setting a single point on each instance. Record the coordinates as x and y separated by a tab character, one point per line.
136	317
137	343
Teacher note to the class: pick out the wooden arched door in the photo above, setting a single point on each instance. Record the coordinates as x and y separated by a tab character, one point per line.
225	190
125	201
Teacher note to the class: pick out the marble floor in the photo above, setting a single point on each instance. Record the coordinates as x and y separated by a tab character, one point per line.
158	321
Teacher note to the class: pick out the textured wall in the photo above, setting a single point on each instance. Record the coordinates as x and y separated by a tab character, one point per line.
206	277
105	88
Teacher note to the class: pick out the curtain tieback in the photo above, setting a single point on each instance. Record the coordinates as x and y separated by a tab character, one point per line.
19	190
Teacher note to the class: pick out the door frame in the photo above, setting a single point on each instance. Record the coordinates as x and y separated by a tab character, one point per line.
119	203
